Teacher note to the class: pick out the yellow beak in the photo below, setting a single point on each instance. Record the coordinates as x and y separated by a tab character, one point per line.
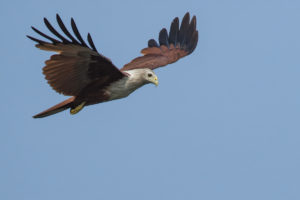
155	81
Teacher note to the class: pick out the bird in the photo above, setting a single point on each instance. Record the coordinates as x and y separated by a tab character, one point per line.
78	70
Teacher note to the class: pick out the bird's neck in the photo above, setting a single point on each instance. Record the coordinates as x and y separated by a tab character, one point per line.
135	79
127	85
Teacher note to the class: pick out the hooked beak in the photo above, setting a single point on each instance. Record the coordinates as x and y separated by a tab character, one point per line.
155	81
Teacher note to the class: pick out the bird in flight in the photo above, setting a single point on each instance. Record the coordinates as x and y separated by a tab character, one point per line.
80	71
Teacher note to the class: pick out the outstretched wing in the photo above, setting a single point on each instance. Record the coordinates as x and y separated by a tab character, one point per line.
179	43
76	64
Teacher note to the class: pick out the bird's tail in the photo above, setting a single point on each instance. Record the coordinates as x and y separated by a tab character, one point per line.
55	109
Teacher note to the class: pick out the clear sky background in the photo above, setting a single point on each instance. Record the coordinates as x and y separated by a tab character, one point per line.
223	123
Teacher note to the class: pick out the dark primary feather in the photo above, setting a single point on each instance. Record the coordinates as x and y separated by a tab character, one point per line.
76	66
193	42
65	30
163	37
152	43
50	27
54	41
91	42
178	43
76	32
174	29
77	41
190	32
184	29
36	40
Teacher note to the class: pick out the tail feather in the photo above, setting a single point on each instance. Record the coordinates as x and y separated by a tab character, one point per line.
55	109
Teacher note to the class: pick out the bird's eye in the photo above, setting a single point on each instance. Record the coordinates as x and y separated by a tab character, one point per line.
149	75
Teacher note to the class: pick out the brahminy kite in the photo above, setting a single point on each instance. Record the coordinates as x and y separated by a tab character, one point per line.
80	71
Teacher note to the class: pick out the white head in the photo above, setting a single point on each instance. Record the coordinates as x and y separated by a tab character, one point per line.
143	75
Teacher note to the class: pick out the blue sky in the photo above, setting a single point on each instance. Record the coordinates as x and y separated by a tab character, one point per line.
223	123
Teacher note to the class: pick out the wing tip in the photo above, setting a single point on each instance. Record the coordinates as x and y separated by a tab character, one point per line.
152	43
69	39
184	36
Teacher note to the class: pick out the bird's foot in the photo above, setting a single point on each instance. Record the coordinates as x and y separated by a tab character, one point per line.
77	108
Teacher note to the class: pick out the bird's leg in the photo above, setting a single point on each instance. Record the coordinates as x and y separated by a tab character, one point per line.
77	108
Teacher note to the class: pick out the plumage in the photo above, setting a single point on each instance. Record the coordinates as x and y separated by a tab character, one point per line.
163	37
183	29
179	45
174	29
50	27
65	30
77	34
152	43
79	71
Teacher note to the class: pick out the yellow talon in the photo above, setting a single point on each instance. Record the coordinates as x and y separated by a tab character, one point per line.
77	108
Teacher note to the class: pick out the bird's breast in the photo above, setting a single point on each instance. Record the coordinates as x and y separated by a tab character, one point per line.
122	88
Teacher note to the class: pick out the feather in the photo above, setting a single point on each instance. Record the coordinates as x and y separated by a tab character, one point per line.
174	31
163	37
183	29
50	27
193	42
45	36
76	32
152	43
36	40
190	31
57	108
64	29
91	42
